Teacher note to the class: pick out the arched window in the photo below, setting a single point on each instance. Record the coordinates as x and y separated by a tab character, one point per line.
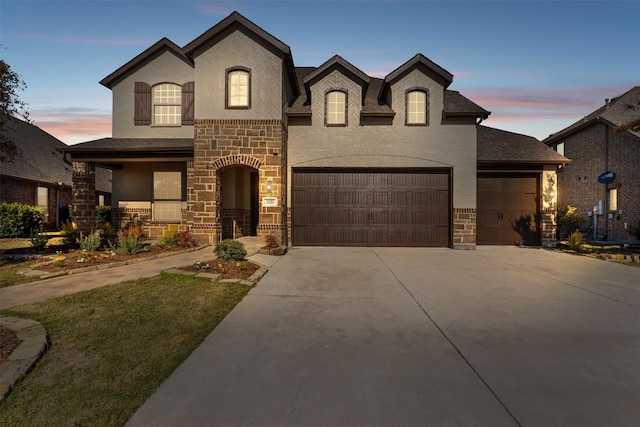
167	108
417	107
238	88
336	108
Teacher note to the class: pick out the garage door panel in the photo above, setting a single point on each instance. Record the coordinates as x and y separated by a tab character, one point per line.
504	203
371	208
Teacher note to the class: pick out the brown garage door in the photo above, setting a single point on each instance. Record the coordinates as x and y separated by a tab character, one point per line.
371	207
508	210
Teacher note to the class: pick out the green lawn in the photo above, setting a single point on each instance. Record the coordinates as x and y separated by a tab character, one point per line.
112	347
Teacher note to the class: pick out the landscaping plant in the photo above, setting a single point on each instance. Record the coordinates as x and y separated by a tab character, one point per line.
91	242
69	234
230	249
576	241
38	239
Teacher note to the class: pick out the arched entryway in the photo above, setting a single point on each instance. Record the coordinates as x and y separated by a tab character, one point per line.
238	201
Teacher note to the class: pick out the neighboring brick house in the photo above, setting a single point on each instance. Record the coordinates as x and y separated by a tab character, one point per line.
38	175
225	136
596	145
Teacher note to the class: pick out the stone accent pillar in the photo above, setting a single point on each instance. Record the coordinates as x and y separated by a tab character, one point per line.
548	227
84	196
224	143
464	228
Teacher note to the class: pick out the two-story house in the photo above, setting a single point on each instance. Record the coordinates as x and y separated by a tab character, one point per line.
225	136
602	179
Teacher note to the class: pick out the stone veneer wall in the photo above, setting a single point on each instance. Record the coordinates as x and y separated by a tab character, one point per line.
84	196
464	228
223	143
548	227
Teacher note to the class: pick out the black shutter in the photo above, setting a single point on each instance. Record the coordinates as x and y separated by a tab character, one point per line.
142	109
188	97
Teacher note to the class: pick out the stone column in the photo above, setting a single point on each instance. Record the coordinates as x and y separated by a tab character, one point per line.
84	196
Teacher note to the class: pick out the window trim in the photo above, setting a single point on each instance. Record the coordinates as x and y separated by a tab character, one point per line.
157	201
345	92
178	122
44	207
426	106
227	98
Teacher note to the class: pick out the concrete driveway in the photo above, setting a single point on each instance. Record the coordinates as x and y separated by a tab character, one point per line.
499	336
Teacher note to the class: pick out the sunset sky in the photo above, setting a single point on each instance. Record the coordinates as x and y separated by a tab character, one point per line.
538	66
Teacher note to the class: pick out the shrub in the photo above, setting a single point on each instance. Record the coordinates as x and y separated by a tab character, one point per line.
69	233
129	243
103	216
108	235
170	236
91	242
271	241
186	239
38	239
635	230
17	219
230	249
568	221
576	241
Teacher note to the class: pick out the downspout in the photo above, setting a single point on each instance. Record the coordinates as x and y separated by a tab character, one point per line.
606	187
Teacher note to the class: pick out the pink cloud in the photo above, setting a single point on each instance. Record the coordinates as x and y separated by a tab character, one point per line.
576	100
74	128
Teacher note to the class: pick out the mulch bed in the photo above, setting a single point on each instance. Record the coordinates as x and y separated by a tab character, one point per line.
76	259
228	269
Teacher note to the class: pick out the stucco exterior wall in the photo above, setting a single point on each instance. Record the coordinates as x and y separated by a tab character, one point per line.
166	68
238	50
396	145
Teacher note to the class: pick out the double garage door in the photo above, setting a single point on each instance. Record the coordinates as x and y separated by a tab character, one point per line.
373	207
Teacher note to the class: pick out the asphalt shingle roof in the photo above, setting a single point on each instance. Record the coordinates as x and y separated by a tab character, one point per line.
39	158
617	112
500	146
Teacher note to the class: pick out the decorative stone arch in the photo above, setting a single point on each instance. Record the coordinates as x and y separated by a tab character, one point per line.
221	144
236	160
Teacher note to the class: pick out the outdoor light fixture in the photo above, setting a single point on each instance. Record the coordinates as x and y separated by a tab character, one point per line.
269	185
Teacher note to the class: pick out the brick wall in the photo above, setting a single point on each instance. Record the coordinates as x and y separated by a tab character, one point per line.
84	195
22	191
578	185
224	143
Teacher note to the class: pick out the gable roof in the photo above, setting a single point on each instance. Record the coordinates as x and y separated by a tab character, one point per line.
455	104
40	159
161	46
337	62
614	113
237	21
503	147
441	75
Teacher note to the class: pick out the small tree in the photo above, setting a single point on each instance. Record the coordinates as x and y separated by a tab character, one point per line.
10	106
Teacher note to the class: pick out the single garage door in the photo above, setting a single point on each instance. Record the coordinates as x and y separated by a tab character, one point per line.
371	207
507	211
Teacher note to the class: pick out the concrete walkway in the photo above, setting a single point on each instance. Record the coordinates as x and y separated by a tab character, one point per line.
500	336
65	285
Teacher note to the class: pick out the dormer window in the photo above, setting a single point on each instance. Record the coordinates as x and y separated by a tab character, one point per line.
417	107
336	108
238	88
167	108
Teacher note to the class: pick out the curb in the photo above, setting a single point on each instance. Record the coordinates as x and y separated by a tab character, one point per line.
34	342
